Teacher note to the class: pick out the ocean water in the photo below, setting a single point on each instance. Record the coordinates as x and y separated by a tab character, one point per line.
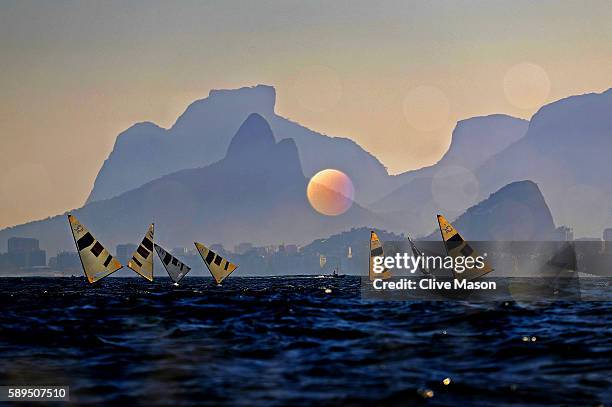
292	341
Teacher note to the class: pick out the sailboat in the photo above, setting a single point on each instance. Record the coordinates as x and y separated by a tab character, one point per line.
97	262
219	267
376	250
418	253
457	247
175	268
336	272
142	259
322	261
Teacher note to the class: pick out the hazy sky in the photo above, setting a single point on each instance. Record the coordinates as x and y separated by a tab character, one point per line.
394	76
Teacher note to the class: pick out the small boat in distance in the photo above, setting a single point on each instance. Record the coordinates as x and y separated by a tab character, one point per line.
142	259
175	268
336	273
219	267
97	262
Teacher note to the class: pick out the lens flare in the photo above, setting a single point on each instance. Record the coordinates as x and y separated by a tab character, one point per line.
330	192
526	85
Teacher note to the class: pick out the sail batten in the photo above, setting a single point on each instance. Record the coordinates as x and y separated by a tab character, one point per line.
142	259
376	250
175	268
218	266
97	262
456	246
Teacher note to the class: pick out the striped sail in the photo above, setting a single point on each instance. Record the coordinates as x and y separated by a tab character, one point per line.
175	268
457	247
219	267
142	259
96	260
376	250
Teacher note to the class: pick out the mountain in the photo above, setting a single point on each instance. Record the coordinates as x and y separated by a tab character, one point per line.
450	185
256	193
473	142
202	134
517	212
567	152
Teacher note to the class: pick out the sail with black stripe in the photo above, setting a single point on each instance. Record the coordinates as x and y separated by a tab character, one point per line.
457	247
97	262
175	268
376	250
219	267
142	259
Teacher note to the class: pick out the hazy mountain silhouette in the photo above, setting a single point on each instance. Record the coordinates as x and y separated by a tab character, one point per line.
474	141
257	193
202	134
448	186
517	212
567	152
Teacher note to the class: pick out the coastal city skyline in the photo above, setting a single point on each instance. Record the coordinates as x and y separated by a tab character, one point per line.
25	256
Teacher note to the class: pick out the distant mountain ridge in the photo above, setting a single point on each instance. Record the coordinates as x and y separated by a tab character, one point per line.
425	192
516	212
256	193
201	135
474	141
566	151
256	189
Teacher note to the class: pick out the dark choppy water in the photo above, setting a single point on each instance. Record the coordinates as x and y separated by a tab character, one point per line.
285	341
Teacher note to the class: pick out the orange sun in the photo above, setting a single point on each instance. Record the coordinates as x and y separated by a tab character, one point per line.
330	192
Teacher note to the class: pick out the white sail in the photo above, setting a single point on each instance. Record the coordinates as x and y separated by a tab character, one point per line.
322	260
96	260
219	267
142	259
175	268
349	255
